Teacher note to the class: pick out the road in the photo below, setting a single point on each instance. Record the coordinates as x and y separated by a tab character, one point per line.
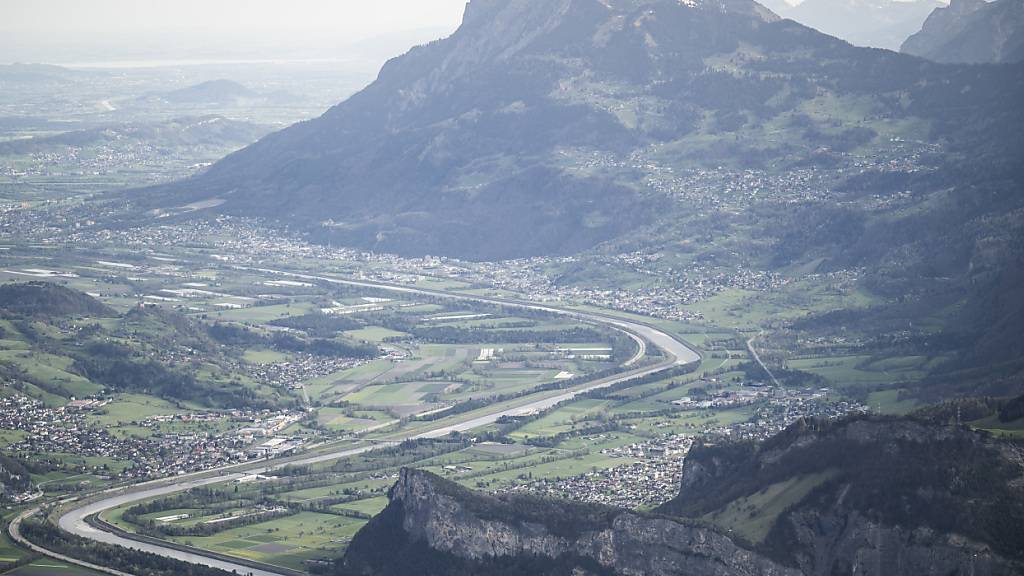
677	354
757	358
14	529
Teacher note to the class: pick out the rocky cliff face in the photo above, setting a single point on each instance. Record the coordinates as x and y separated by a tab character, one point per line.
841	541
971	31
867	496
452	531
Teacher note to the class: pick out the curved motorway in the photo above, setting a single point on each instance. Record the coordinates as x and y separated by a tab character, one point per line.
677	354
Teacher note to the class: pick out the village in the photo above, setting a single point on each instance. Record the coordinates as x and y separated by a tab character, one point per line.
67	433
654	475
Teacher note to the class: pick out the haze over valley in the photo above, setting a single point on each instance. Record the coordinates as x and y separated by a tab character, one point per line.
589	287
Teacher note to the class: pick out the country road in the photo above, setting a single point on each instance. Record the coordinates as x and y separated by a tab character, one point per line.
677	353
757	357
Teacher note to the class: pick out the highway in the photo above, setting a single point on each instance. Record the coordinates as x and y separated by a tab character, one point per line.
677	353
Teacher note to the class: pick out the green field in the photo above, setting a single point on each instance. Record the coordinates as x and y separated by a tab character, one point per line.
375	334
287	542
264	314
562	420
133	407
753	516
862	370
347	420
264	356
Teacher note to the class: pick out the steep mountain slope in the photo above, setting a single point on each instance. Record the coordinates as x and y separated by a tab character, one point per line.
478	146
973	31
864	495
874	23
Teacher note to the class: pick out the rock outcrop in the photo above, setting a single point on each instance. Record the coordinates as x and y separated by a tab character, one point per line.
887	497
450	530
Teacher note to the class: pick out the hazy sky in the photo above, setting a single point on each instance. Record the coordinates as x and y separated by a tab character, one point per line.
79	30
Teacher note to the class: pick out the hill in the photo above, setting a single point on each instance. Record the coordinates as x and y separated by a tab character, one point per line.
863	495
59	343
492	143
211	92
49	299
973	31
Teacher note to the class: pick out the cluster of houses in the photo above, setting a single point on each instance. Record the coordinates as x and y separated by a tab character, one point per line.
651	477
301	368
69	431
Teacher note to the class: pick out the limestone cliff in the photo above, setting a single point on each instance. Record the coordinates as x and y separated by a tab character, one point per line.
433	526
866	495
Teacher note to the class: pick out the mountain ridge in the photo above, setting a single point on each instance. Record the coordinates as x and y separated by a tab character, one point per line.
829	526
971	31
437	527
871	23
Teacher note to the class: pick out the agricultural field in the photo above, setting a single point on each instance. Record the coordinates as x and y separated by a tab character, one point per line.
287	542
575	439
753	516
347	363
235	349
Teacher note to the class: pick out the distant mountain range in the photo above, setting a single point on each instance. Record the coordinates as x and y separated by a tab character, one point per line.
36	73
866	495
873	23
972	31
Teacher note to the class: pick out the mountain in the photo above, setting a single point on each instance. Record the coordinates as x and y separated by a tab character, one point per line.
864	495
972	31
490	144
874	23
